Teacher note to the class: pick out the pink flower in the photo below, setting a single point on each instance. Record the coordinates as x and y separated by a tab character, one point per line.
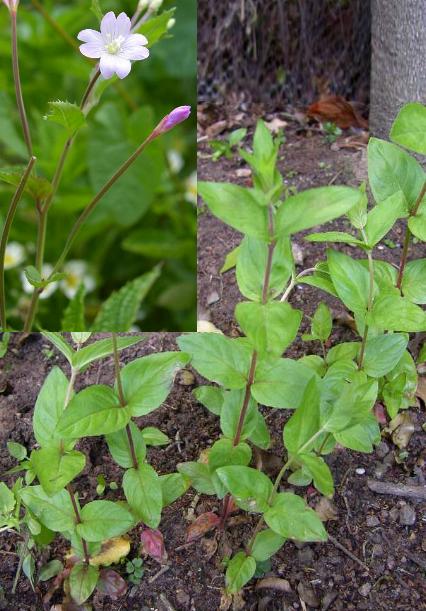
178	115
12	5
114	45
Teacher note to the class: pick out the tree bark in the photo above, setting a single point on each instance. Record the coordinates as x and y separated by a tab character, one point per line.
398	70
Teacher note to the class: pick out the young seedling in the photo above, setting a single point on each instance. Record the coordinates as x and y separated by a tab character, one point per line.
333	396
62	418
227	146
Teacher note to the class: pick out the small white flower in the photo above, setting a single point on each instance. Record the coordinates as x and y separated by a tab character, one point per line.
176	161
191	188
77	273
114	45
14	256
45	273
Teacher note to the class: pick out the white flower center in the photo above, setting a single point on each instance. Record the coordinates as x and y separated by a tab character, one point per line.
113	45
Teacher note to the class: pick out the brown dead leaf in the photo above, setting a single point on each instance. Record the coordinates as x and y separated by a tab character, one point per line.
326	509
357	142
275	125
209	547
421	389
336	109
274	583
202	525
216	128
401	429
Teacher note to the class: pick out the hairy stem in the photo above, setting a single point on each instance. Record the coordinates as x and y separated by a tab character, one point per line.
18	86
407	238
5	236
122	399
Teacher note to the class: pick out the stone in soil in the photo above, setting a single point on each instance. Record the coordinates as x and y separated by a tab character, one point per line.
372	521
407	515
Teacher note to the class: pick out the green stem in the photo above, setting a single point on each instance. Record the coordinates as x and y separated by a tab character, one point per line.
18	86
123	400
5	236
78	521
280	475
88	211
369	303
407	237
24	548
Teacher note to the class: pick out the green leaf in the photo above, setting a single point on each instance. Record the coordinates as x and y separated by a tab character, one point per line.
417	224
230	414
251	264
119	311
334	236
291	518
173	486
409	127
80	338
73	317
351	280
91	412
343	351
118	445
395	313
158	244
50	569
320	472
154	437
96	9
230	260
102	348
223	453
237	135
383	352
390	169
16	450
305	421
414	281
103	520
36	186
54	469
147	381
70	116
322	322
270	327
143	491
351	404
361	437
358	214
156	27
249	487
239	571
314	207
218	358
266	544
55	512
236	206
199	475
260	435
211	397
7	499
49	408
83	579
58	341
280	382
383	216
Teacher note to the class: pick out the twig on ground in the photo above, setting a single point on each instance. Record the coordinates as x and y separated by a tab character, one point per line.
348	553
412	492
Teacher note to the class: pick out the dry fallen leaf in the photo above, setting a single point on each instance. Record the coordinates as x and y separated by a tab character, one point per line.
204	326
421	389
153	544
216	128
401	429
336	109
112	551
326	509
276	124
275	583
202	525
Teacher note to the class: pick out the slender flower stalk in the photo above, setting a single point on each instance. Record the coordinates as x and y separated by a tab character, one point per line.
407	238
5	236
122	399
13	6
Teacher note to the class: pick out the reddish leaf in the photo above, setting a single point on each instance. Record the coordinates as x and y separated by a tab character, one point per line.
203	524
153	544
336	109
380	414
111	584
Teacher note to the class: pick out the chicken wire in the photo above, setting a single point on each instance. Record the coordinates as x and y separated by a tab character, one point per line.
277	51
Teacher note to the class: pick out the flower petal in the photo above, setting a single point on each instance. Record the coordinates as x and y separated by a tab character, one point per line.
108	24
91	49
90	36
134	53
123	26
113	64
136	39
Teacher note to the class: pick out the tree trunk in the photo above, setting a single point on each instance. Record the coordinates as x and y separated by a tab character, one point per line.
398	70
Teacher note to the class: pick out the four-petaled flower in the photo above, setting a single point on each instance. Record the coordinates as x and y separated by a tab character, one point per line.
114	45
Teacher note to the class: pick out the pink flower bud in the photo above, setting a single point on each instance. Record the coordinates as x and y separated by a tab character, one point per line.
178	115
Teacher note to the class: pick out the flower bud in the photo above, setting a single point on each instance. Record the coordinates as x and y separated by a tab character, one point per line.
12	5
156	4
178	115
171	24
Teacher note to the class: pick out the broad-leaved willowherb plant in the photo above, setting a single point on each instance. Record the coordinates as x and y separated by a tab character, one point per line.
120	42
62	418
333	395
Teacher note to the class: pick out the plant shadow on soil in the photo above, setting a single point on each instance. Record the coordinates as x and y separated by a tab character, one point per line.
319	575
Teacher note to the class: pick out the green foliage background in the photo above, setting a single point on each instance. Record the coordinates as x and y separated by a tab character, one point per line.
146	218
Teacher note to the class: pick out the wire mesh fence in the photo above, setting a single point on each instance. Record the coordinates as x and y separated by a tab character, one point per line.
277	51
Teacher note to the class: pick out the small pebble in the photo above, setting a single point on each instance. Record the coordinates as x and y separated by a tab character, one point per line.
365	589
407	515
382	449
213	298
360	471
372	521
394	513
378	550
390	563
